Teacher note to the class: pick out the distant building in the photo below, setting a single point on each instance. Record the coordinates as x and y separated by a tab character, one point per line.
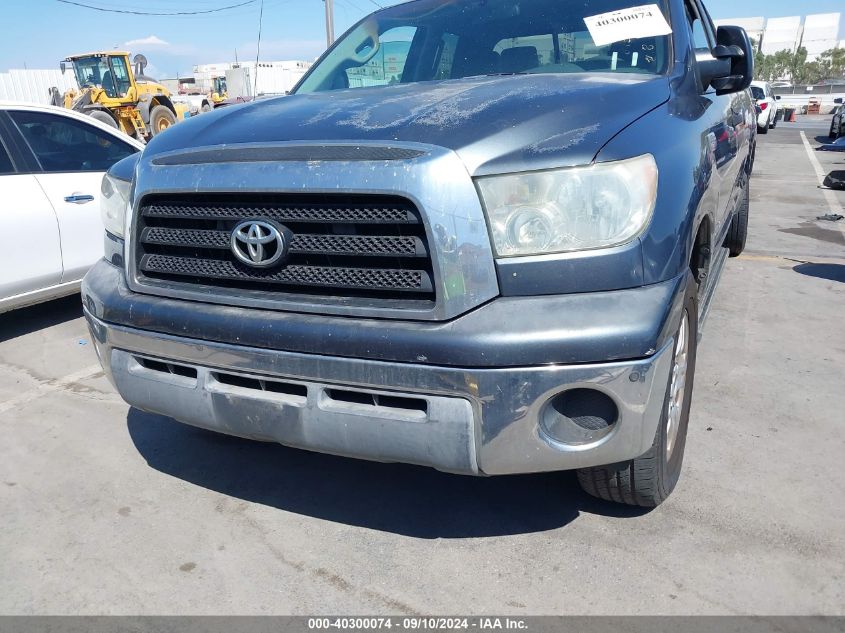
817	33
753	26
781	34
820	33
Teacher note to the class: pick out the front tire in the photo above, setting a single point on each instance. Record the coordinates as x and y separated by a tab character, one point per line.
649	479
103	117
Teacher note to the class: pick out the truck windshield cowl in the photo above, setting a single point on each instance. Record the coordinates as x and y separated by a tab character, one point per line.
429	40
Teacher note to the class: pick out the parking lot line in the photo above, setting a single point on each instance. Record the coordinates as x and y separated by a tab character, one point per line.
761	258
832	202
48	386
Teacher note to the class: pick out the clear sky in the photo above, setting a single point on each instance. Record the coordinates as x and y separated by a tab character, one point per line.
39	33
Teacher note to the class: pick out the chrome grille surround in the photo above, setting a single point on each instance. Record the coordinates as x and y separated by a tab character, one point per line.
435	182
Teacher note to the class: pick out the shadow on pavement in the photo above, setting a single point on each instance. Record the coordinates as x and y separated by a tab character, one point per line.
27	320
823	139
831	272
398	498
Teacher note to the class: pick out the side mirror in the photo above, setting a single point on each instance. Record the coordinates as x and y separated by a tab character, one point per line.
777	97
730	65
62	67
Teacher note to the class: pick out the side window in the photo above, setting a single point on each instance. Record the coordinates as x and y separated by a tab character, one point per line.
62	144
700	39
6	166
388	64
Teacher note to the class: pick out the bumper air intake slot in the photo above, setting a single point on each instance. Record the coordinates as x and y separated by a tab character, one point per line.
167	368
261	384
377	400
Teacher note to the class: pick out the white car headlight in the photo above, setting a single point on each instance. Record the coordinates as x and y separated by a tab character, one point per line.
577	208
114	204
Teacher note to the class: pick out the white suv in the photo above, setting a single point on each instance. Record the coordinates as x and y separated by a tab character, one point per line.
767	104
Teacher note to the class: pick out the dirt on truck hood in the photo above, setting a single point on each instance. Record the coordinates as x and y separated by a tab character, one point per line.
496	124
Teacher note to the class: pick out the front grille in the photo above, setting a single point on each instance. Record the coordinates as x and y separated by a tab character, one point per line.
340	247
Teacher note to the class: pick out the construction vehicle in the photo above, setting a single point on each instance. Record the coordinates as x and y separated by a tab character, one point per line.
112	92
217	96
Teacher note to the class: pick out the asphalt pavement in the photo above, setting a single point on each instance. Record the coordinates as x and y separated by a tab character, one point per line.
108	510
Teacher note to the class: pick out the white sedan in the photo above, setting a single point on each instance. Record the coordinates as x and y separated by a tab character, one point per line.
52	162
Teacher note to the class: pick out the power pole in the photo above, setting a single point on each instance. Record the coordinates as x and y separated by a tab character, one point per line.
329	22
257	52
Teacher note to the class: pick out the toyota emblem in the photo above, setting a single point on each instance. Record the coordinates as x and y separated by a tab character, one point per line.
258	243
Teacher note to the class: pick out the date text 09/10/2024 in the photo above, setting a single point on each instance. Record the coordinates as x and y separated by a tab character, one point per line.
417	623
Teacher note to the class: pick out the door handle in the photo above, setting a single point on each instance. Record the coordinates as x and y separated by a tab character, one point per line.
79	198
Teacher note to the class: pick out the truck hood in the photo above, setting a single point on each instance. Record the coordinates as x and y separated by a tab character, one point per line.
495	124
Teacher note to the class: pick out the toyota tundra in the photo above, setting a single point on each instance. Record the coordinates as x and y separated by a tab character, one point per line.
478	235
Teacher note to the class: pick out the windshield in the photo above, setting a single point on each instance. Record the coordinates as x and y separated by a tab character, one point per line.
220	85
432	39
94	72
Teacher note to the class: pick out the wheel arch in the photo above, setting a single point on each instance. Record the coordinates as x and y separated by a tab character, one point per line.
157	99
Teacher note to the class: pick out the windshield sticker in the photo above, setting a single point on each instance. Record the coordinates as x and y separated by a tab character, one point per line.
626	24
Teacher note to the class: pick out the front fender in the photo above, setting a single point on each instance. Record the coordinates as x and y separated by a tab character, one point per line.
148	102
678	135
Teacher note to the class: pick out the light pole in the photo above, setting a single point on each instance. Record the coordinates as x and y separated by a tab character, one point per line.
329	22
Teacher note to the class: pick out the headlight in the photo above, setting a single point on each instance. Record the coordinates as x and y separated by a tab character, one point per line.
572	209
114	203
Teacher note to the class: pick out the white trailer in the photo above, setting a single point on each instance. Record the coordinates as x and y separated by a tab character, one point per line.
273	77
33	86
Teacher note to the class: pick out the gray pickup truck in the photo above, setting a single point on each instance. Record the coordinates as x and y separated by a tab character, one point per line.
479	235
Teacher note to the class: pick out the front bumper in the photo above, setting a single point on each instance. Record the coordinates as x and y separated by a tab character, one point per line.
474	420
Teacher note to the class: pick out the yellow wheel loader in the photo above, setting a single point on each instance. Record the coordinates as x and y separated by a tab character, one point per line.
111	91
218	94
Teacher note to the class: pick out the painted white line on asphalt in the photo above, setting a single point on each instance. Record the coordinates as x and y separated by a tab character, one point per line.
832	202
780	179
46	387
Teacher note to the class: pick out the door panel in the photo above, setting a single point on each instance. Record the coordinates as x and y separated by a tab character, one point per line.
73	156
729	166
30	251
76	201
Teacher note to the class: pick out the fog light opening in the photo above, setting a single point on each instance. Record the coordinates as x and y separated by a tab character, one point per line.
579	416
